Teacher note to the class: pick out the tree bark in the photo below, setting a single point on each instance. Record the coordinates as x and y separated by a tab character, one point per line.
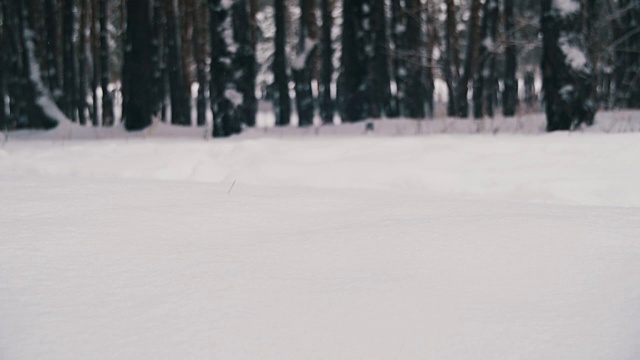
69	60
82	65
302	67
244	64
326	76
470	61
107	101
281	100
53	74
413	100
180	107
510	94
199	48
137	111
451	57
484	81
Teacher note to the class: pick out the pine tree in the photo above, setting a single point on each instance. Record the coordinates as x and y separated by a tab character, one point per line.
566	73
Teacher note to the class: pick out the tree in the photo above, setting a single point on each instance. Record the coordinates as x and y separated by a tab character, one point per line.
199	48
379	78
180	107
302	66
244	64
137	111
566	73
107	101
95	63
225	96
52	72
484	81
82	63
627	53
470	60
510	93
281	100
451	57
326	76
413	99
69	60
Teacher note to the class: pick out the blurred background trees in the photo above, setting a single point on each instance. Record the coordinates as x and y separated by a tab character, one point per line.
218	63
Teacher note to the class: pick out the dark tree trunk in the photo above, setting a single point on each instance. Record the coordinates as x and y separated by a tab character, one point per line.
95	63
82	64
69	60
510	94
326	77
224	95
3	63
244	65
355	39
137	109
529	89
471	59
107	101
281	100
627	54
199	48
53	74
430	42
382	102
413	101
566	73
451	58
398	62
180	107
302	67
157	55
484	81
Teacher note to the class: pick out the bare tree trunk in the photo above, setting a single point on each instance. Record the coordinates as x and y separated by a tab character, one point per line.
53	74
413	103
302	67
484	81
82	64
244	65
199	41
95	63
180	107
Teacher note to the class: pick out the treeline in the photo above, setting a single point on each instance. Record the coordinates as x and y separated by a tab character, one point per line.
100	62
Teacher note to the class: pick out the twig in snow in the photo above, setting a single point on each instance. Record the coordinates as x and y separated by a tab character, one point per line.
231	188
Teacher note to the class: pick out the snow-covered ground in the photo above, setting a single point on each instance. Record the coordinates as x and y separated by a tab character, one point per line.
489	246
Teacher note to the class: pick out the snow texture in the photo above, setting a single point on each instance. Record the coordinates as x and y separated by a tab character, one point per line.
566	7
335	247
574	56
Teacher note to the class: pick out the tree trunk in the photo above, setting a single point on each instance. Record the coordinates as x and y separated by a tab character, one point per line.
627	55
69	60
244	65
302	67
382	101
180	107
281	100
137	111
355	95
82	64
107	101
95	63
484	81
566	73
199	48
510	94
413	101
53	74
451	58
398	61
471	59
326	76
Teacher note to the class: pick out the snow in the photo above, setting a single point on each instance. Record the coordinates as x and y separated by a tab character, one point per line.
574	56
566	7
445	246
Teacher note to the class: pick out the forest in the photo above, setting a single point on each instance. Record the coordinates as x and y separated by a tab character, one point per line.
217	63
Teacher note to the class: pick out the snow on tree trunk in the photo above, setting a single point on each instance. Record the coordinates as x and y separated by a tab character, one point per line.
302	66
281	99
566	72
199	48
